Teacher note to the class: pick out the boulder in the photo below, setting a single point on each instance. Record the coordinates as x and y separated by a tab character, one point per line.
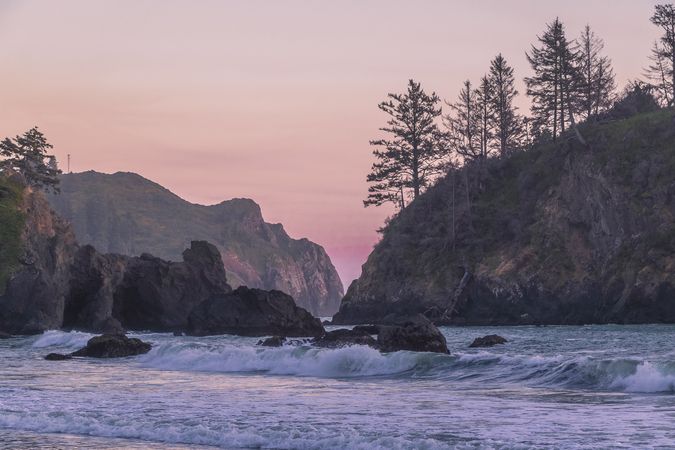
113	346
344	337
252	312
57	357
488	341
417	334
159	295
274	341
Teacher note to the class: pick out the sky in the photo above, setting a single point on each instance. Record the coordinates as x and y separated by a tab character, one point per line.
270	100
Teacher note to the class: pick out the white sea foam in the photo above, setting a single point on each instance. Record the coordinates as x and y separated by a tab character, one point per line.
56	338
351	361
223	435
647	378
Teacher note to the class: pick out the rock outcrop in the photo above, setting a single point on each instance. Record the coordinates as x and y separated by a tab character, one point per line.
488	341
127	214
417	334
581	230
252	312
37	250
113	346
344	337
50	282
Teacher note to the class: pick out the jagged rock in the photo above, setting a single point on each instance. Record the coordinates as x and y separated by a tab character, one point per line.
274	341
326	322
113	346
178	333
57	357
344	337
488	341
417	334
159	295
127	214
252	312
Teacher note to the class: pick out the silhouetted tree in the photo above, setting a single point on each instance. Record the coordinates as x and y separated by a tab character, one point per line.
483	98
28	155
556	80
463	125
597	87
507	125
657	72
664	18
410	157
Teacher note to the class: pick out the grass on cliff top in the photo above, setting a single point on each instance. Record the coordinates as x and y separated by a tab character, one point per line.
11	225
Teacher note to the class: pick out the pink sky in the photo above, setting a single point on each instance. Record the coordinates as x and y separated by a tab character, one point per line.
273	100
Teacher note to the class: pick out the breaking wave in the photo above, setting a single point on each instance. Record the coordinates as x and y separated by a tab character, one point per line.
583	372
55	338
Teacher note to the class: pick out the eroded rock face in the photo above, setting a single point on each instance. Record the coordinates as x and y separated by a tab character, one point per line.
35	295
252	312
113	346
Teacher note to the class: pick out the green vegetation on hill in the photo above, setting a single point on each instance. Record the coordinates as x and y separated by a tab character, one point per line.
11	225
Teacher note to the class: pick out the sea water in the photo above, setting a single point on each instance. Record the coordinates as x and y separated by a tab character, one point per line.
548	387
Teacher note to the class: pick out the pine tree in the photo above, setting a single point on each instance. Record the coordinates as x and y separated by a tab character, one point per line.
485	120
410	158
657	73
597	86
506	123
556	79
27	154
664	17
463	125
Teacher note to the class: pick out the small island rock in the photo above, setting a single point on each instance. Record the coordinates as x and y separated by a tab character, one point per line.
488	341
113	346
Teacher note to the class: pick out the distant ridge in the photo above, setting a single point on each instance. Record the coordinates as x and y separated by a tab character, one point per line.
128	214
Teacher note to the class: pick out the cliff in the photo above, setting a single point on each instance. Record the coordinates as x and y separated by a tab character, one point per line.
127	214
36	250
48	281
577	231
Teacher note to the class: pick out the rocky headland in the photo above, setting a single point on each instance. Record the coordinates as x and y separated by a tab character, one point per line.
577	231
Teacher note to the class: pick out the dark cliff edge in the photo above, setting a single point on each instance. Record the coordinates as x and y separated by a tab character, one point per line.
48	281
127	214
565	233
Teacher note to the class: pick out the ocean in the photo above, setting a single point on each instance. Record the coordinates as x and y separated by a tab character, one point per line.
588	387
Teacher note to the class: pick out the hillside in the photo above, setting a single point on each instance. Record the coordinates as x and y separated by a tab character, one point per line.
127	214
565	233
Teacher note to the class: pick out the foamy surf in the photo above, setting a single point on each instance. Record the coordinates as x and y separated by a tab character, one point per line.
227	392
354	361
56	338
